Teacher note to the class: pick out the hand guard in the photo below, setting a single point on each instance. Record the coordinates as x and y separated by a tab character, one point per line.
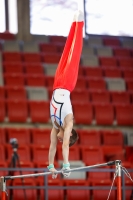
64	170
53	170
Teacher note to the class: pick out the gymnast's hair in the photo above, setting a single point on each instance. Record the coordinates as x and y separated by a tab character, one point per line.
73	138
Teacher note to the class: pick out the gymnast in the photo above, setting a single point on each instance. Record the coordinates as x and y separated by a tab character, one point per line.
60	106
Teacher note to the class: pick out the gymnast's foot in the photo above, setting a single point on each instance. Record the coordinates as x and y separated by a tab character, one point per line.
78	16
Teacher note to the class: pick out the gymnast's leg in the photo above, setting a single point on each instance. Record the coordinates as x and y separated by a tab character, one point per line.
67	71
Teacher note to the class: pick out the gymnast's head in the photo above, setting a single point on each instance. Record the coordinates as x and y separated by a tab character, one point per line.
73	136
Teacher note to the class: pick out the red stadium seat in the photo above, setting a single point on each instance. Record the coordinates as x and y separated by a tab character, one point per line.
12	57
99	194
31	194
32	57
100	96
127	73
96	84
131	97
2	93
124	114
2	110
114	42
81	71
40	154
17	110
55	194
60	47
89	137
125	62
112	72
24	165
3	164
57	39
39	111
74	153
3	136
120	97
86	109
129	191
51	57
16	92
129	84
41	136
36	80
23	153
36	68
21	134
13	67
14	79
49	81
81	83
108	61
7	36
50	92
98	176
2	153
104	113
122	52
48	48
92	154
77	194
113	152
112	137
80	96
93	72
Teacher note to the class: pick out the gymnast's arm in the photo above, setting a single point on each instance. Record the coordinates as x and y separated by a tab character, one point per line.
66	139
53	144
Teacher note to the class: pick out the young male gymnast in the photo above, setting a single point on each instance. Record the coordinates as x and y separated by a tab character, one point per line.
60	105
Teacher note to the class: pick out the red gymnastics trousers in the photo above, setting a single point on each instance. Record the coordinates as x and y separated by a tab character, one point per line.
67	70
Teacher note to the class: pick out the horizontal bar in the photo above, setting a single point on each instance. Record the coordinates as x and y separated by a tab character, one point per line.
59	172
45	169
51	187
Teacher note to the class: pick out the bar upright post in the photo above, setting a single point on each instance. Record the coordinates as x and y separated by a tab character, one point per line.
118	178
3	187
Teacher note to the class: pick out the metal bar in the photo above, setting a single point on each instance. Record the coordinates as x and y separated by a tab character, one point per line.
58	172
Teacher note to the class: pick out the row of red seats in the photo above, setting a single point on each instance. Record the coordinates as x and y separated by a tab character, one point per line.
19	68
83	96
55	57
20	110
92	72
58	47
74	191
102	96
36	80
47	81
110	72
51	47
42	136
116	61
88	154
102	113
123	52
86	138
31	57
